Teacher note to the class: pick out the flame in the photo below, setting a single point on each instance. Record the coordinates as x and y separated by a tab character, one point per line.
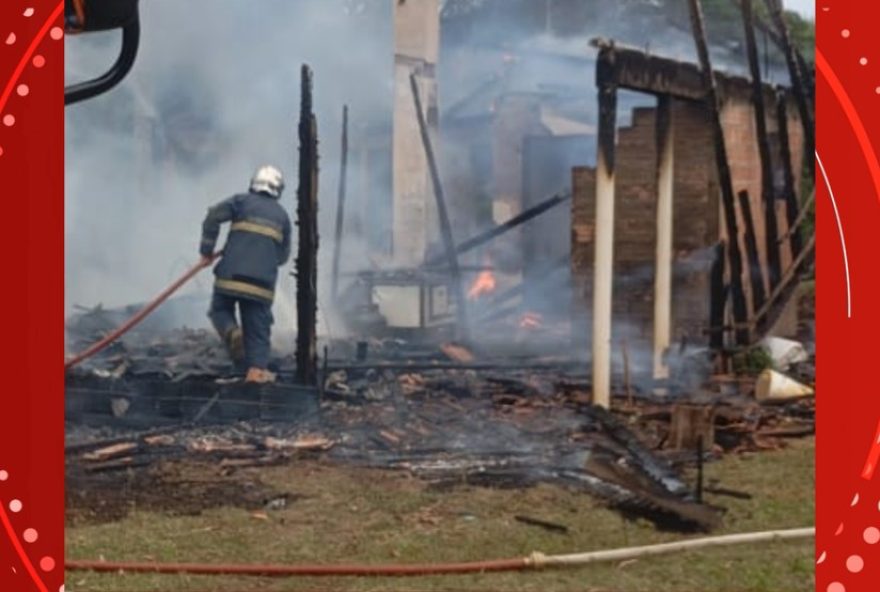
484	284
530	320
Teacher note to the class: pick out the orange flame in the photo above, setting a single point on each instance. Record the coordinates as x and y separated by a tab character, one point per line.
484	284
530	320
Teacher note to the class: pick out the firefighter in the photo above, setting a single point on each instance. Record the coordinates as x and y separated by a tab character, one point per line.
257	245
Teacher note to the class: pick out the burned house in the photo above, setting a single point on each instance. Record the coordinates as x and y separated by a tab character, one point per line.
519	125
531	202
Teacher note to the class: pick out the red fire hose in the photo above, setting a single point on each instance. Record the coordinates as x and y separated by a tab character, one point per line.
534	561
303	570
139	315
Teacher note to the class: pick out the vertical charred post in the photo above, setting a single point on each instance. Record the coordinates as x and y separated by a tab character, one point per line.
443	215
740	309
603	271
791	200
768	197
307	256
759	294
718	298
340	202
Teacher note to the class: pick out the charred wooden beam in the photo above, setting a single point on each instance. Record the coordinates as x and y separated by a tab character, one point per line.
740	310
495	232
795	226
789	193
756	276
340	202
634	69
797	77
768	197
718	298
307	256
603	269
763	320
443	215
663	264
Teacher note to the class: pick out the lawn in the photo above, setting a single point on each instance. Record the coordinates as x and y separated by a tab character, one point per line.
337	514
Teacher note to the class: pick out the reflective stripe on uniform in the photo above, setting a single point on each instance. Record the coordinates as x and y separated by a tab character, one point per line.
244	288
257	228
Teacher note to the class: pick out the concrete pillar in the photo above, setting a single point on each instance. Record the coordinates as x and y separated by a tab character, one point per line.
663	264
416	49
604	247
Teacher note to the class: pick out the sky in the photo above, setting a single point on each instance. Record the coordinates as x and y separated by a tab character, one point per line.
807	8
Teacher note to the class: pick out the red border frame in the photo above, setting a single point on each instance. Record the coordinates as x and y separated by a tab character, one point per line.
32	405
31	409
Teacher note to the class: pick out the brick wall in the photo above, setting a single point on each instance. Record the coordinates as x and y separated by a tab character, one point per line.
697	215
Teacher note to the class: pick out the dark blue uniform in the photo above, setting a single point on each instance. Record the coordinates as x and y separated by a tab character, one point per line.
258	243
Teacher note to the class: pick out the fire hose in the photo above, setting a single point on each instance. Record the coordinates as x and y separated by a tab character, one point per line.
141	314
534	561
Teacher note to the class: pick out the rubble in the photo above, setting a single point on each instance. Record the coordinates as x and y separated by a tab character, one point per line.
485	423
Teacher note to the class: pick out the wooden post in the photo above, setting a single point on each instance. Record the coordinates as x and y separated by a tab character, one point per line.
771	226
307	256
443	215
627	384
718	298
603	270
340	203
797	78
759	294
791	200
663	265
689	424
740	310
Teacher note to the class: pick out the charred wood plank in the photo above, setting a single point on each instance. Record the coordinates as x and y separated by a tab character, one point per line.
307	257
740	310
768	197
803	212
771	310
717	298
551	526
119	464
789	193
340	202
492	233
756	277
443	214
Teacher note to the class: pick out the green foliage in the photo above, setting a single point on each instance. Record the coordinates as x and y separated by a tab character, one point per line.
752	361
803	34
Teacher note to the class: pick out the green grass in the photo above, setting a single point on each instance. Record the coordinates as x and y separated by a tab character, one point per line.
349	515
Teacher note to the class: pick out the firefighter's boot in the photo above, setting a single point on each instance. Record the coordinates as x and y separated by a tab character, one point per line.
259	376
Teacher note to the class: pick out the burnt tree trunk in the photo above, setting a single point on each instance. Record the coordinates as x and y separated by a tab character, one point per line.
443	215
740	310
307	256
768	197
340	203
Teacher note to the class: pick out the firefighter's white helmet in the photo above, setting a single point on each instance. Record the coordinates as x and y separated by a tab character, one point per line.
268	179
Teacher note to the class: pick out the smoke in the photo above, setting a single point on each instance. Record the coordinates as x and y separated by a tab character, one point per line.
214	93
